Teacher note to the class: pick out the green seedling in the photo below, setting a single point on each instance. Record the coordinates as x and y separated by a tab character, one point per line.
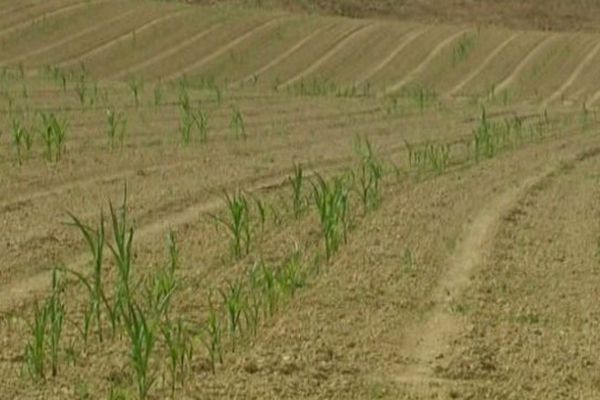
121	250
213	337
22	139
237	125
180	351
290	276
56	316
233	301
35	352
368	176
158	94
136	85
142	339
163	283
53	132
463	48
297	183
237	223
117	124
332	202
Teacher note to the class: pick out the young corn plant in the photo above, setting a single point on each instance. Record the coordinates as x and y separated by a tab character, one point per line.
53	132
290	276
180	350
22	140
35	350
332	202
163	283
368	177
117	125
485	145
463	48
56	316
212	339
237	223
95	239
237	125
121	250
296	180
136	85
233	301
81	90
142	336
158	94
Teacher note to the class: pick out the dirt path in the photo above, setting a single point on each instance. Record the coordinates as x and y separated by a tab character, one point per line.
419	68
487	61
428	344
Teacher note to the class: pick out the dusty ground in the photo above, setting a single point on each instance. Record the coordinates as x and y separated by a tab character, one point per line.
474	279
534	14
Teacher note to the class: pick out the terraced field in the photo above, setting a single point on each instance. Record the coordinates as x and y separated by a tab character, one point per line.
229	202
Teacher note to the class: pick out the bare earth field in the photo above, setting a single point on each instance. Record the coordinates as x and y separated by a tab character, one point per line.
246	200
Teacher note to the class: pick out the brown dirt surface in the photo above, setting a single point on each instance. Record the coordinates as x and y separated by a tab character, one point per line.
556	15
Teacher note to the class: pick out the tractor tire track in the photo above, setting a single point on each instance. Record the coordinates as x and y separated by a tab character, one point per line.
574	75
419	68
409	38
429	341
344	40
221	50
487	61
538	48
